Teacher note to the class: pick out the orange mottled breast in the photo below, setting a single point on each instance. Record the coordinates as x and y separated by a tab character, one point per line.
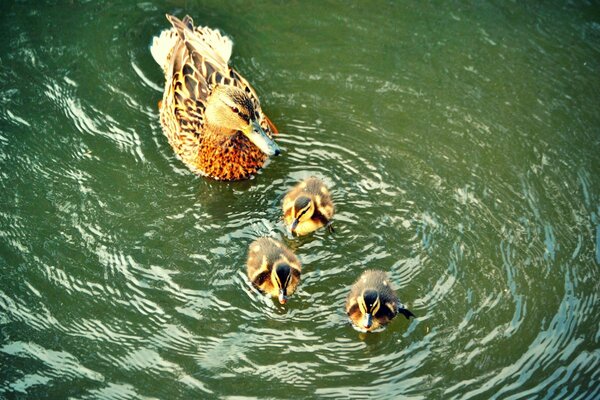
233	159
223	158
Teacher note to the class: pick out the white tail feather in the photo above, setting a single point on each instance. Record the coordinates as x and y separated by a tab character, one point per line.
162	45
209	42
213	39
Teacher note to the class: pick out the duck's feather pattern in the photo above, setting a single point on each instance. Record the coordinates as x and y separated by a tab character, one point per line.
195	61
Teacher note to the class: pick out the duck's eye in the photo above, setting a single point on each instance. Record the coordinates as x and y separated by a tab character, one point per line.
235	110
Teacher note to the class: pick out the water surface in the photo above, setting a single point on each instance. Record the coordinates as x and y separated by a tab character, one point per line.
461	145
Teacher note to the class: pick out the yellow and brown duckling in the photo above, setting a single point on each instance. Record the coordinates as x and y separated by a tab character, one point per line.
210	113
273	268
307	207
372	302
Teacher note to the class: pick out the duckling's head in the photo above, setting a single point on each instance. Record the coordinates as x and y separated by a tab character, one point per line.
302	210
231	109
369	303
281	276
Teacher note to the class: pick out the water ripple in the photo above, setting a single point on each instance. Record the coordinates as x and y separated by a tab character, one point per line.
461	160
59	363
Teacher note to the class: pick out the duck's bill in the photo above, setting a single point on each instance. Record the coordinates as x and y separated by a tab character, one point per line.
257	135
294	225
367	321
282	297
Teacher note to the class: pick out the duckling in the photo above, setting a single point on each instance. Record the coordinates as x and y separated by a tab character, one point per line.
209	112
372	302
273	268
307	207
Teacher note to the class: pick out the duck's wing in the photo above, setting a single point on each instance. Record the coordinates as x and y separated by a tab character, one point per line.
205	58
199	62
406	312
198	59
214	48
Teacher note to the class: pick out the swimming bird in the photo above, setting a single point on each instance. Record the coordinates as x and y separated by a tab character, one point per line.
273	268
307	207
372	302
209	112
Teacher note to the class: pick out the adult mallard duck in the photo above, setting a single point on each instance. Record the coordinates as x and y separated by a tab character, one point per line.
273	268
307	207
372	302
209	112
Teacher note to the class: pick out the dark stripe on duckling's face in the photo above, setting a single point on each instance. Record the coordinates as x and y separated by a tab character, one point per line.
303	209
369	304
282	277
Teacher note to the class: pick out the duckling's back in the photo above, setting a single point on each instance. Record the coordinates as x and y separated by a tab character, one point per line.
375	280
270	249
315	186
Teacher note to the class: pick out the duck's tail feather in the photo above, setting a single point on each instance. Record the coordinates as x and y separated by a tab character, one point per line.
162	45
206	41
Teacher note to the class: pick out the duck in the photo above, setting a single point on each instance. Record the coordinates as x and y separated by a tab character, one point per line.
273	268
307	207
210	114
372	302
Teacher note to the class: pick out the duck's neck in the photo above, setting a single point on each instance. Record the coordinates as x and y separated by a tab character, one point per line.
217	132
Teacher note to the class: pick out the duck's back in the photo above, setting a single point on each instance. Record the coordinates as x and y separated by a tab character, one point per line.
262	249
271	251
210	43
195	63
375	280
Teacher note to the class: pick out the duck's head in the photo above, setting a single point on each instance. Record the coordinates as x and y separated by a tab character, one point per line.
281	277
302	210
230	109
369	304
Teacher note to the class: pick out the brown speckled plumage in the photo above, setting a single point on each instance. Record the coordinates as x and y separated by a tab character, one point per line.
264	256
373	285
319	212
198	75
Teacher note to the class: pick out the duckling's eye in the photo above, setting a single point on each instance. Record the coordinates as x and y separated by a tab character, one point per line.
235	110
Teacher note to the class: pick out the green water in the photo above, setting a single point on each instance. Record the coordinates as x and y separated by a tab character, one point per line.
460	141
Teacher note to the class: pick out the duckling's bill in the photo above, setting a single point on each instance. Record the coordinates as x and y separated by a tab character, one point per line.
294	225
282	297
367	321
259	137
371	329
